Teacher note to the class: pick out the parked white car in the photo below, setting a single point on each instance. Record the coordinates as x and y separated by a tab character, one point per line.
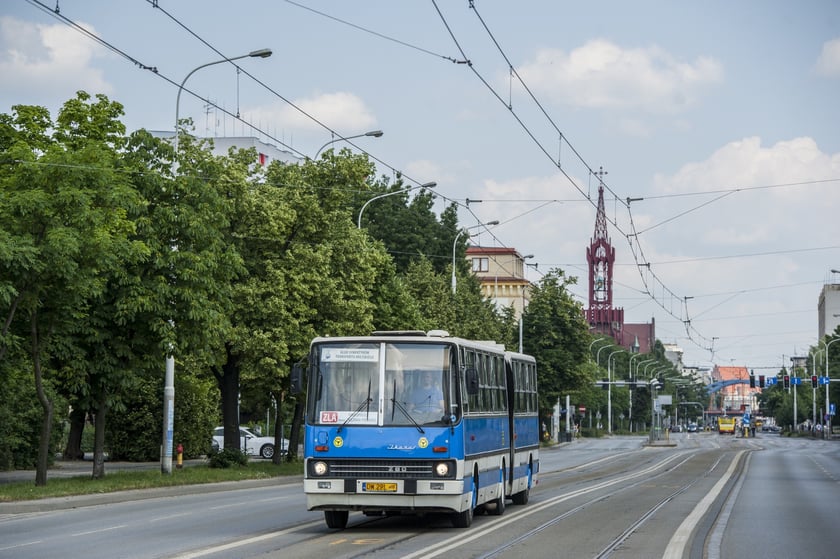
249	443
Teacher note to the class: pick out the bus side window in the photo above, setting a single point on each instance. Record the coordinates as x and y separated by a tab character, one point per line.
471	376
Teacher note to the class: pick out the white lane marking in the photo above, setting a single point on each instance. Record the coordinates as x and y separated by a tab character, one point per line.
247	541
459	540
109	528
680	538
36	542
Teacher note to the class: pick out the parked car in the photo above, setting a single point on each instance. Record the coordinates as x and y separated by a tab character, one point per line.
249	443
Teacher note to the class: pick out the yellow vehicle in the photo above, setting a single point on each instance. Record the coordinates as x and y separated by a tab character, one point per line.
726	425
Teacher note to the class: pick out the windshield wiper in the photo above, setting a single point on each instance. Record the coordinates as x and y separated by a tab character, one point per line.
396	405
365	402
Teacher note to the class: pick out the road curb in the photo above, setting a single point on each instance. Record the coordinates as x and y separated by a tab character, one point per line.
77	501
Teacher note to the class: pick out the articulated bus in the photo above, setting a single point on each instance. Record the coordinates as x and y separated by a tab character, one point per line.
411	422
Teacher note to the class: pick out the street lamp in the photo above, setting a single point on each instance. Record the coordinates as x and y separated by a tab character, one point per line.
400	191
598	354
609	390
828	384
597	340
455	244
261	53
372	133
169	377
631	377
522	311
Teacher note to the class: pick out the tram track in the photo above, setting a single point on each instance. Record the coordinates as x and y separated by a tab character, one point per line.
566	500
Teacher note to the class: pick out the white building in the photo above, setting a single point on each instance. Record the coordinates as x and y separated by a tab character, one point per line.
266	153
828	309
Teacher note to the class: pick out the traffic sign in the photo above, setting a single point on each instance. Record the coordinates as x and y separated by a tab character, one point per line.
825	380
770	381
796	380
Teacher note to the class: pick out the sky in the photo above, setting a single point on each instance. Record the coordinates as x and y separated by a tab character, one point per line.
717	119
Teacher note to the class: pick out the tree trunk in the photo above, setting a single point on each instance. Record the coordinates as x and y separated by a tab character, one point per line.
297	421
46	403
99	438
73	450
229	387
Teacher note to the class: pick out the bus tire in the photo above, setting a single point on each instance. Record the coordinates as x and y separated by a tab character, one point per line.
336	519
499	503
522	497
464	519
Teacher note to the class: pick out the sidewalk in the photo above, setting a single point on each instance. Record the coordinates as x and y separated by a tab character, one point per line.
77	468
85	468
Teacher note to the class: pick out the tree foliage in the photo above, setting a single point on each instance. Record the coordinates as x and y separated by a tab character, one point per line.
556	334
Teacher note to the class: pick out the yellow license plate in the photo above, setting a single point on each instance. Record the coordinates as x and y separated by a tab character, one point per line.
379	487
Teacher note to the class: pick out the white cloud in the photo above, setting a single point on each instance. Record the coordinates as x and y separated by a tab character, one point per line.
760	199
601	74
39	60
828	63
343	112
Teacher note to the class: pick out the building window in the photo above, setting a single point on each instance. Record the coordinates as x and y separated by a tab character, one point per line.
480	264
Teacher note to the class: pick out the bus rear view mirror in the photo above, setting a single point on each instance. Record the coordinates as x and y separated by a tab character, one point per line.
296	379
471	376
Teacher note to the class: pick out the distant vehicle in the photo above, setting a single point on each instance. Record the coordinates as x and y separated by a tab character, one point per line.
249	443
726	425
692	428
771	428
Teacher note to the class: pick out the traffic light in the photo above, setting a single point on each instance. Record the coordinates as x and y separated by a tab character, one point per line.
605	384
752	381
761	381
786	380
814	381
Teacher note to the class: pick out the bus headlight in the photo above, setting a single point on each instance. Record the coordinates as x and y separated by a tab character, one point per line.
319	468
442	469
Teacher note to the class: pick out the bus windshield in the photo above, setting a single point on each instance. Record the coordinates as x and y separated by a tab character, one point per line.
383	384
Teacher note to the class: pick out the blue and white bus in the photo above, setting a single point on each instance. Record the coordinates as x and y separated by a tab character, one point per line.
412	422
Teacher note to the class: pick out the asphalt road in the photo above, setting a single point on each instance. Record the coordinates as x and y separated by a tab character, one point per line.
708	496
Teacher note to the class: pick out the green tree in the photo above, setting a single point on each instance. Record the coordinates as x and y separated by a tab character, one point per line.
309	271
406	224
64	204
556	334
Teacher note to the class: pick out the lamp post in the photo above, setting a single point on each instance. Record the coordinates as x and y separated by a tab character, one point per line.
169	377
522	311
455	244
261	53
595	341
400	191
372	133
827	385
630	402
598	354
609	390
814	388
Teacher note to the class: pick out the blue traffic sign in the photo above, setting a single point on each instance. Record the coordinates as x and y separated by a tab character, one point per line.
796	380
770	381
824	380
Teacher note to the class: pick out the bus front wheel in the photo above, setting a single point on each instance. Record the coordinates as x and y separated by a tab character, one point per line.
464	518
336	519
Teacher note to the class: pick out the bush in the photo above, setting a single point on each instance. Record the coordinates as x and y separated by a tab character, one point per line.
21	416
135	433
227	458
